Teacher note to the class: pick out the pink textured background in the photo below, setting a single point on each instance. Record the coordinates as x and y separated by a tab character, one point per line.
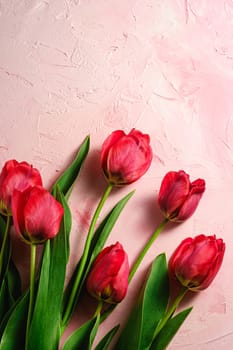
71	68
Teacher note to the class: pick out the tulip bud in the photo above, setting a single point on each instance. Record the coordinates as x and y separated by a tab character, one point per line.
108	279
36	214
196	261
125	158
178	197
19	176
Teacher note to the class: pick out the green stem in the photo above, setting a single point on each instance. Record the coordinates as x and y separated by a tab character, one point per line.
99	308
146	248
32	290
2	252
84	257
138	261
170	311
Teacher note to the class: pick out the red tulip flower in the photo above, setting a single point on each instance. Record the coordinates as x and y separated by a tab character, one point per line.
36	214
108	279
178	197
125	158
196	261
19	176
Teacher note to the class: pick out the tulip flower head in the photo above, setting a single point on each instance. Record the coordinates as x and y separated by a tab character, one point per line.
125	158
36	214
16	176
178	197
108	279
196	261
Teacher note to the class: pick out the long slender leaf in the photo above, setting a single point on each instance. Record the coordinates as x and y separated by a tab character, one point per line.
14	283
149	310
2	227
98	241
13	335
10	283
106	340
4	306
105	228
7	252
50	289
10	289
168	332
38	328
67	179
83	337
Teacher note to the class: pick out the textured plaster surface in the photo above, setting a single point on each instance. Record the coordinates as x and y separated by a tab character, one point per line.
70	68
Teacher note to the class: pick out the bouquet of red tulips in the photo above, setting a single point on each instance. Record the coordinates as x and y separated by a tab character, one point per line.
36	318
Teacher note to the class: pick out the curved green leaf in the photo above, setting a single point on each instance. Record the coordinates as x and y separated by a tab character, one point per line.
83	337
98	241
106	340
14	283
103	231
10	289
3	299
7	251
67	179
168	332
13	335
48	299
10	282
150	308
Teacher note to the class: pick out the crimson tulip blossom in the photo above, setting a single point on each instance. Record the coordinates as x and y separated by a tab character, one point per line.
36	214
196	261
178	197
125	158
19	176
108	279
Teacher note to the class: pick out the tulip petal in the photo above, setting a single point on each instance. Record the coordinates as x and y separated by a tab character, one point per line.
43	214
179	254
108	279
36	214
128	160
173	192
111	140
196	261
17	176
125	158
191	202
19	200
10	164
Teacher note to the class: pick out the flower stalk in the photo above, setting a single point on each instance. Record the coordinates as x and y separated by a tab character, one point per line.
5	235
146	248
84	257
98	309
31	290
170	311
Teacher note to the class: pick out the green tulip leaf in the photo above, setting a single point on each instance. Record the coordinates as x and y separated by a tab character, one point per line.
67	179
66	224
10	289
106	340
149	309
4	306
38	329
48	299
98	241
10	285
83	337
12	329
169	330
2	226
103	231
14	283
7	251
